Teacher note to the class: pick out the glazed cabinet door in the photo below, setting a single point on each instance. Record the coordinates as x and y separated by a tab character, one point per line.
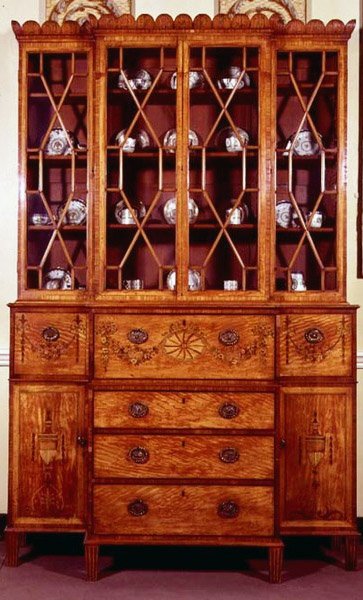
310	158
47	463
55	161
317	459
183	158
226	90
140	180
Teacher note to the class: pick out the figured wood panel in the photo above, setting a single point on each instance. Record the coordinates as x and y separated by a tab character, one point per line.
48	465
183	510
316	344
317	461
145	409
204	456
50	343
215	347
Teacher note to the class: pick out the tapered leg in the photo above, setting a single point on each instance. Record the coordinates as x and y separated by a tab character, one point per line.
351	549
91	556
12	543
275	563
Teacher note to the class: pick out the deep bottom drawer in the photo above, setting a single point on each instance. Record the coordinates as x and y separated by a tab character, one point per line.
183	510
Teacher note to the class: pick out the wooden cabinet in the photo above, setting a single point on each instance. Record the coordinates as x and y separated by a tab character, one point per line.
182	310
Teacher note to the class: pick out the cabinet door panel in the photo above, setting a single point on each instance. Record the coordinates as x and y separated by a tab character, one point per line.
48	465
317	463
213	347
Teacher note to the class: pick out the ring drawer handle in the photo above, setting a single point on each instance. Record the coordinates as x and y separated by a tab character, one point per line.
137	336
314	335
50	334
139	455
228	509
228	410
229	455
229	337
138	410
137	508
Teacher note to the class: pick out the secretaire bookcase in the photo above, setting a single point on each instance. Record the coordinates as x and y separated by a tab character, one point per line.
182	351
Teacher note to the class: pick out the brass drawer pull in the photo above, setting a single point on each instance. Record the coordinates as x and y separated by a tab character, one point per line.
228	509
137	336
138	410
50	334
228	410
229	455
139	455
229	337
137	508
314	335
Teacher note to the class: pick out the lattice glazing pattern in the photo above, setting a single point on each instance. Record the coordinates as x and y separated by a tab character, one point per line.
307	173
223	167
141	168
57	173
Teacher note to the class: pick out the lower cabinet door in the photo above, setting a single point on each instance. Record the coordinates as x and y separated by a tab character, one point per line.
47	470
317	458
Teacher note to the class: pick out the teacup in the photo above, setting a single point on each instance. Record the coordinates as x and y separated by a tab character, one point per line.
127	216
284	213
297	282
230	284
133	284
316	220
237	215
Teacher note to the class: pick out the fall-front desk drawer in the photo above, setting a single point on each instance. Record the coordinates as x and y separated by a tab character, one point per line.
147	409
315	344
50	343
199	456
198	347
183	510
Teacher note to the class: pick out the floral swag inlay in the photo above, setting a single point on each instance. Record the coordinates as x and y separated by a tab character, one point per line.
50	349
182	341
318	350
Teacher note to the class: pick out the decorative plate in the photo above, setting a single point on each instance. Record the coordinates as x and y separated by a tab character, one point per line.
305	143
76	212
138	80
230	78
169	211
194	280
227	139
58	143
170	139
58	279
196	80
121	206
138	141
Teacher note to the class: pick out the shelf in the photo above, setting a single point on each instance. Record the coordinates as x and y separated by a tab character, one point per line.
62	228
297	230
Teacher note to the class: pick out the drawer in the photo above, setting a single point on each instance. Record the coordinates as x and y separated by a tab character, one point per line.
315	344
50	344
198	347
183	510
199	456
146	409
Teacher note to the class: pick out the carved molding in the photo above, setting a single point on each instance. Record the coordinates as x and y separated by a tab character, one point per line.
285	9
81	10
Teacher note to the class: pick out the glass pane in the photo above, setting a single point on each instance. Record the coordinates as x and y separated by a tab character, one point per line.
223	168
141	168
306	185
57	173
